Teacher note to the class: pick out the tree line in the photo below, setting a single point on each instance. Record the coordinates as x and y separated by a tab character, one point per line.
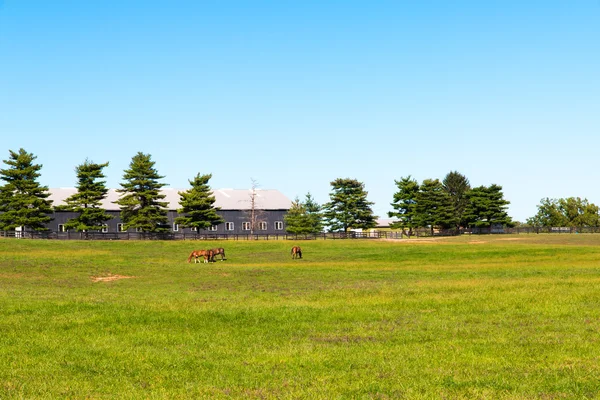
433	204
24	201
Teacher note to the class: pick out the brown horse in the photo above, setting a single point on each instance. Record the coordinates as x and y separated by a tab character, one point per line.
216	252
207	254
296	252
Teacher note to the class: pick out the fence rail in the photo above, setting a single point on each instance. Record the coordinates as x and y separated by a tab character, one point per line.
422	232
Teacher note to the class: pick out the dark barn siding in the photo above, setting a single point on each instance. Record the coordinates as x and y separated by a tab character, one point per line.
235	216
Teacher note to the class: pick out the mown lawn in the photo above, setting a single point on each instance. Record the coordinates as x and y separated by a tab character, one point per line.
470	317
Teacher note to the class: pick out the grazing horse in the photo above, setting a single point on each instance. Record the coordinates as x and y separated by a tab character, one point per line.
216	252
296	252
207	254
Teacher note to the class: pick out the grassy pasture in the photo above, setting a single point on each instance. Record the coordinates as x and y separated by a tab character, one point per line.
470	317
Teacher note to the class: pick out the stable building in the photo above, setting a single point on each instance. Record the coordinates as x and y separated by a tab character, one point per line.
270	208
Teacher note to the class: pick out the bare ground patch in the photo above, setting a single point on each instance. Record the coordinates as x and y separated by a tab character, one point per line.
109	278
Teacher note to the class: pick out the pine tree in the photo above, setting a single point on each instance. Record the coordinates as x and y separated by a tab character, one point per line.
197	205
296	219
405	200
304	217
141	205
23	201
486	207
87	200
434	206
314	212
349	207
457	186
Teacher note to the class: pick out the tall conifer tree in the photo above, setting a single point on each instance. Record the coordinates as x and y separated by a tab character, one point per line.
23	201
141	205
487	207
405	201
348	206
197	205
87	201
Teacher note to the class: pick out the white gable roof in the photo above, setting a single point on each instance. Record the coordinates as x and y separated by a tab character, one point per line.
227	199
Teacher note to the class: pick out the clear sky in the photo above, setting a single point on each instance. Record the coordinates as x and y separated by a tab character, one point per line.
295	94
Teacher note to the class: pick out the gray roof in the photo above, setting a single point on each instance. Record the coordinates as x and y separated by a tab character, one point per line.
227	199
385	223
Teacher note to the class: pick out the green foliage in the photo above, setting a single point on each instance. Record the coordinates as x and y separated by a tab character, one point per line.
197	205
87	200
23	201
486	207
304	217
141	205
405	200
457	186
434	206
569	212
349	207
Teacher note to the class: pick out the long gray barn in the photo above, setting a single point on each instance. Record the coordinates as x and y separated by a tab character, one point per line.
235	205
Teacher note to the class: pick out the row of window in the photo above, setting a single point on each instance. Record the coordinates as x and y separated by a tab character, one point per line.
229	226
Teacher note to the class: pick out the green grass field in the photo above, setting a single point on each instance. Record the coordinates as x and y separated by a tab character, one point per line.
513	317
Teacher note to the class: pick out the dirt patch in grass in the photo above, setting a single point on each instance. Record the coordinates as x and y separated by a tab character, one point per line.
109	278
476	242
511	239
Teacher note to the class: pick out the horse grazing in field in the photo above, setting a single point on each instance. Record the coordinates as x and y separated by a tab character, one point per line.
207	254
216	252
296	252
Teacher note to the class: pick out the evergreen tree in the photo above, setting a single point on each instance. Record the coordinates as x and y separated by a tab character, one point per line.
314	212
434	206
88	199
141	205
197	205
296	219
348	207
304	217
486	207
23	201
405	200
457	186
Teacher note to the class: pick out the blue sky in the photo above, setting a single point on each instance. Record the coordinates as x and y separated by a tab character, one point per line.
297	94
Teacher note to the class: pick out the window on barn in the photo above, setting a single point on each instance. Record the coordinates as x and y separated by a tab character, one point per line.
194	229
61	228
175	227
262	226
279	225
138	229
121	228
104	228
228	226
245	226
213	228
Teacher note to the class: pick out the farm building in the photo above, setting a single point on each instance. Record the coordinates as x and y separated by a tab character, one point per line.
235	205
